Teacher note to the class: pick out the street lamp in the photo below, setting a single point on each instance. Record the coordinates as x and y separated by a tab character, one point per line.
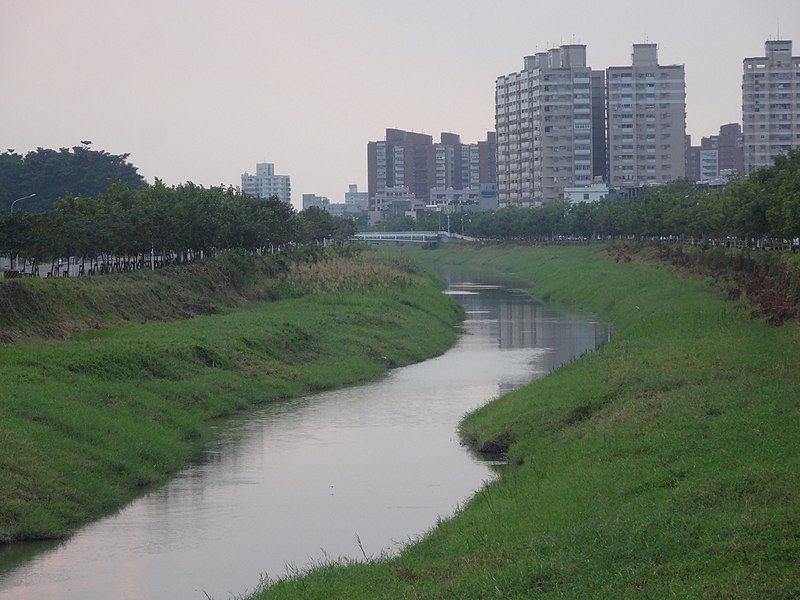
18	199
11	211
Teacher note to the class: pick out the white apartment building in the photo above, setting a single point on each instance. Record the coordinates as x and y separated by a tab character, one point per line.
646	121
354	200
592	193
770	104
544	127
265	184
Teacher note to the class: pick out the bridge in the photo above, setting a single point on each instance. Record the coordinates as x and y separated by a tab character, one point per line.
408	237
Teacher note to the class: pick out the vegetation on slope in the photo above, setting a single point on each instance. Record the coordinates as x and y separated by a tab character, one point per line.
90	421
666	464
55	308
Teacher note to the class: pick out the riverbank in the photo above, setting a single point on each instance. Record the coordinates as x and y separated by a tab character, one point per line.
664	464
108	407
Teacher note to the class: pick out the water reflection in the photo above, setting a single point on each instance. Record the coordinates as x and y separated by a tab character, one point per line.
296	481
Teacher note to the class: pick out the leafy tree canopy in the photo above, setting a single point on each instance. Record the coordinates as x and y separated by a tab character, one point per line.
51	174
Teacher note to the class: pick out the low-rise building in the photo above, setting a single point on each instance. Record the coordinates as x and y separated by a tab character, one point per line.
356	201
310	200
473	199
450	197
397	200
587	193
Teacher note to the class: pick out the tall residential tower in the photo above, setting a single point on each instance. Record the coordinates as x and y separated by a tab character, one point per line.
646	121
770	104
544	117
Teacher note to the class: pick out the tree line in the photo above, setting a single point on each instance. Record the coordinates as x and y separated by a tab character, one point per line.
125	228
765	204
52	174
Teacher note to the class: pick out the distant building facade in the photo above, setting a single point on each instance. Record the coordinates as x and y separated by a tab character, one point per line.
770	104
396	200
716	155
310	200
544	118
354	200
646	121
265	184
414	161
692	159
402	159
731	148
451	197
591	193
709	158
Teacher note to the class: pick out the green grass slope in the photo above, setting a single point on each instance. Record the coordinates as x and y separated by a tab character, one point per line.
666	464
89	422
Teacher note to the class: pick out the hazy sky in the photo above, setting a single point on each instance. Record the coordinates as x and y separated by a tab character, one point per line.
201	90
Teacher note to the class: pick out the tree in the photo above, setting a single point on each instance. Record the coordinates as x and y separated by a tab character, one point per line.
52	174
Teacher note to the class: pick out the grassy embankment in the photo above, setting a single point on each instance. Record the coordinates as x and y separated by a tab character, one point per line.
666	464
108	405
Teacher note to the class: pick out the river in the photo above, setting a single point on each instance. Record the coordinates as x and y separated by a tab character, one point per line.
304	480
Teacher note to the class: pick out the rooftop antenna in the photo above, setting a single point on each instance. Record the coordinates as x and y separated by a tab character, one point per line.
779	27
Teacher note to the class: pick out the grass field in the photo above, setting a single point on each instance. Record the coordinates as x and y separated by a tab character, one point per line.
666	464
90	421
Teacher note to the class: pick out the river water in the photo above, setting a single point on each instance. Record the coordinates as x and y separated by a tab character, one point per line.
304	480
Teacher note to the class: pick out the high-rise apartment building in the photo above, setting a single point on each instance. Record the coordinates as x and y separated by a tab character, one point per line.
599	149
646	120
402	159
544	118
412	160
265	184
461	166
770	104
709	158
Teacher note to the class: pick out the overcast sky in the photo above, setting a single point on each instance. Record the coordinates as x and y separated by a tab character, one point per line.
201	90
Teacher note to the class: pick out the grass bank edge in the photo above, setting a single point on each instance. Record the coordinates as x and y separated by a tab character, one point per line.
95	420
664	464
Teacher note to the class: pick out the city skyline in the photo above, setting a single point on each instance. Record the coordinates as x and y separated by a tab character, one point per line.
314	76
